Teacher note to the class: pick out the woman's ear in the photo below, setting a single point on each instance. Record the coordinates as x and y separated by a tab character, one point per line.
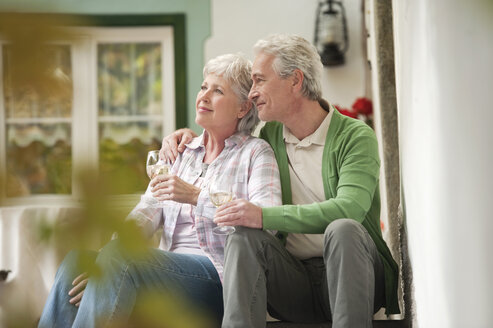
245	108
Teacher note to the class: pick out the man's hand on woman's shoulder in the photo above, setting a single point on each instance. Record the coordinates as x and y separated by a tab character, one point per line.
175	143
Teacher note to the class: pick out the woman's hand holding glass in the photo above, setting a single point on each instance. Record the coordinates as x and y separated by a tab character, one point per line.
171	187
165	186
156	166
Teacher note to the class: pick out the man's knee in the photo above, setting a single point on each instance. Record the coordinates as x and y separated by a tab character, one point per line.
245	237
247	243
343	232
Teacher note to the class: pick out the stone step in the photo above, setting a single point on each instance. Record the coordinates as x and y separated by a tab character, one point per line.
376	324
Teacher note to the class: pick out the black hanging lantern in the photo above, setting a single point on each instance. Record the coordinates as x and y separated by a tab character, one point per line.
331	37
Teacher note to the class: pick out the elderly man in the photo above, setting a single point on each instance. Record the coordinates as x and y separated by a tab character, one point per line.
329	261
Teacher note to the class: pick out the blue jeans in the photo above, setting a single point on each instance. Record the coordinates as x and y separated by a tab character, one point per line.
111	298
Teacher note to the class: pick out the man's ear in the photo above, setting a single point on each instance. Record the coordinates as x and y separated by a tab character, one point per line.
245	108
297	79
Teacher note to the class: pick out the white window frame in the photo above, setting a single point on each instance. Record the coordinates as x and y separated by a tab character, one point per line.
85	119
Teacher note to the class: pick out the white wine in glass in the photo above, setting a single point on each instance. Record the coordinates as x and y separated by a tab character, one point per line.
220	197
156	166
220	193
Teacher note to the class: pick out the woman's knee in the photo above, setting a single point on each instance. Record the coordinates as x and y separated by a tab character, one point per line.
111	254
75	258
71	259
73	265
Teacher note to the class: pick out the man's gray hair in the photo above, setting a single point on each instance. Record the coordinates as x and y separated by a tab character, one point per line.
294	52
236	70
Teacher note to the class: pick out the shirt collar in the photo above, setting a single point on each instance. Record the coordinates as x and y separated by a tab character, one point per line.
236	139
317	137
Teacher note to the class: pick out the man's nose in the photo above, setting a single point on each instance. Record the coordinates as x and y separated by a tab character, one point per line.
253	94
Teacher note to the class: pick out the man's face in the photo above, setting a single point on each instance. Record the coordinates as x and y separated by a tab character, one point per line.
271	93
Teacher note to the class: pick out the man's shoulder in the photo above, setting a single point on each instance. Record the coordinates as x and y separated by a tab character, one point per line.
272	125
345	126
352	136
271	131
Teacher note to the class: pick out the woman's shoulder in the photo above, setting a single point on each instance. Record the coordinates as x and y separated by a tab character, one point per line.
256	142
256	147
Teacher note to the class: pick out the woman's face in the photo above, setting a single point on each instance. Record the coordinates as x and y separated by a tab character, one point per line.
217	107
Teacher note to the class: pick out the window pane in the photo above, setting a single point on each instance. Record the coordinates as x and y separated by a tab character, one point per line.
49	91
38	110
130	111
129	79
123	151
38	159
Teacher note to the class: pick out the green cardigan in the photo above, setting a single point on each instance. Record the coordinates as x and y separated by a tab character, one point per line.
350	173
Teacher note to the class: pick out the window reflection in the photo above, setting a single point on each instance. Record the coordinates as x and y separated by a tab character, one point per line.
130	111
129	79
38	159
54	100
122	153
38	126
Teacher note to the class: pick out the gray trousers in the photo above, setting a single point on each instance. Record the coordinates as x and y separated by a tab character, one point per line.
346	286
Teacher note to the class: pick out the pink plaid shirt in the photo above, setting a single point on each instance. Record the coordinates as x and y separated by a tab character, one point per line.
250	166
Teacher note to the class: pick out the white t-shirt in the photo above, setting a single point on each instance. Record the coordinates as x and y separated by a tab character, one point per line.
185	239
306	184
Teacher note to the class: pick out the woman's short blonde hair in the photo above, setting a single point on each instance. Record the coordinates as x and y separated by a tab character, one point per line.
236	70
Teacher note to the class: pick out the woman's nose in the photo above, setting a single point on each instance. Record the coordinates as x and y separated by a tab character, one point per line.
204	96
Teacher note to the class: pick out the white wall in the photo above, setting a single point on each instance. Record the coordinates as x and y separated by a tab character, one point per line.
237	25
444	75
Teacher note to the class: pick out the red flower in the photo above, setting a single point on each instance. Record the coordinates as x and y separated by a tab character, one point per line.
363	106
347	112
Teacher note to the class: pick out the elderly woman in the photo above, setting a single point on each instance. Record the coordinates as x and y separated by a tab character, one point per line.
190	257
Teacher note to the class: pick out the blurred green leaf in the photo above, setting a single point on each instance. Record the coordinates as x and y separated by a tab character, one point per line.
164	309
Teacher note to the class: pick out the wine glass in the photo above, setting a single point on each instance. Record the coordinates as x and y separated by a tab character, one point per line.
220	193
156	166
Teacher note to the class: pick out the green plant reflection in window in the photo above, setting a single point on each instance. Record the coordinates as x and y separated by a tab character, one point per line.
130	111
38	114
